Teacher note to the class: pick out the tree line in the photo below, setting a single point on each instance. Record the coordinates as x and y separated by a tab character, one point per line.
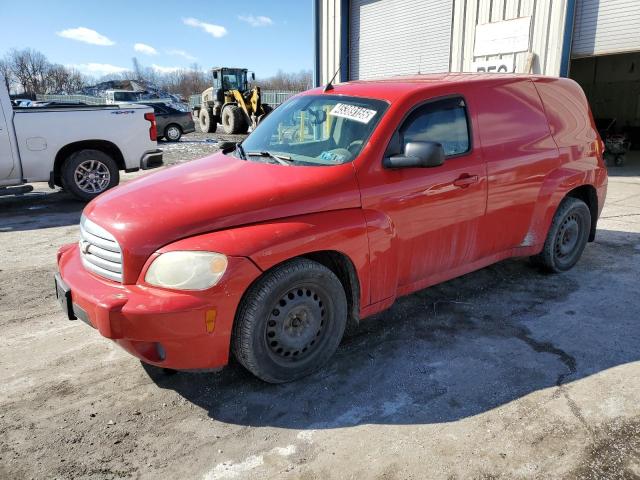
29	72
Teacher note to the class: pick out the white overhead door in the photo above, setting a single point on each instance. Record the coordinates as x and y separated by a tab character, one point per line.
606	26
399	37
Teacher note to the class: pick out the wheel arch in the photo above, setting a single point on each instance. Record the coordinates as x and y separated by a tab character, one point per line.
65	152
343	268
588	194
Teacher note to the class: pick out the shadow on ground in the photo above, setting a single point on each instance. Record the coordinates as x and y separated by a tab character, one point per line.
452	351
39	209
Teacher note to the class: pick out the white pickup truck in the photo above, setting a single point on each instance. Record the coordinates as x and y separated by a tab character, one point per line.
80	148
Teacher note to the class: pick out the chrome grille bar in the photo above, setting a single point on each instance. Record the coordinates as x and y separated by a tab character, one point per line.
100	251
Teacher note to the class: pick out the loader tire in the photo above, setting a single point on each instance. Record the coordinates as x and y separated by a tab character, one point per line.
208	122
233	120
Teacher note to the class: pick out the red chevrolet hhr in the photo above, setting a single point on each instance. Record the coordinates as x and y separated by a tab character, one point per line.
340	201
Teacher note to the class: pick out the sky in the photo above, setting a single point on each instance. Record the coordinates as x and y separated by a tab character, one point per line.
101	37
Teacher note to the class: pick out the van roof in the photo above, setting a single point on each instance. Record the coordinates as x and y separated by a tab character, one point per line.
393	88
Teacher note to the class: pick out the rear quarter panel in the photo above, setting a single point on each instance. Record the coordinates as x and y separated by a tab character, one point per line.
42	133
572	126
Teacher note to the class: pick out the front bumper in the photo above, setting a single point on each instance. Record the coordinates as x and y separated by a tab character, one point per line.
167	328
151	159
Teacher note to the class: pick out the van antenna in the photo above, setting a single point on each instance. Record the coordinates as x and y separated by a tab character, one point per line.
329	85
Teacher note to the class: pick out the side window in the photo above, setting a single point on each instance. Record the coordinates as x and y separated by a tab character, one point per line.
444	121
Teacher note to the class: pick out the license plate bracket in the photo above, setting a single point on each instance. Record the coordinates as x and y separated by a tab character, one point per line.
63	294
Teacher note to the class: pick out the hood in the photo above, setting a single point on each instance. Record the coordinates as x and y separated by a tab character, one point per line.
213	193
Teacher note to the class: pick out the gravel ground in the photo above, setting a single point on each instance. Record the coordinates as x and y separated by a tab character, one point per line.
502	373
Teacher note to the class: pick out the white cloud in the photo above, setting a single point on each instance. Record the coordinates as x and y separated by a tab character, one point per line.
98	68
86	35
181	53
256	21
216	31
161	69
144	48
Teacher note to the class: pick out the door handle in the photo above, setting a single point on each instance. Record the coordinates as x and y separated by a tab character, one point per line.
463	181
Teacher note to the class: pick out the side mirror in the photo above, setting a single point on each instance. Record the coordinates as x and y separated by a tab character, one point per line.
417	154
215	75
253	76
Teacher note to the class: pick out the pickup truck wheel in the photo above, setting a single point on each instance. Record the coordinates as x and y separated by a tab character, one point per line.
567	237
172	133
88	173
208	122
290	322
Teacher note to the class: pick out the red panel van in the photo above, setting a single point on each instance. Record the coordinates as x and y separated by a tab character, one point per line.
339	202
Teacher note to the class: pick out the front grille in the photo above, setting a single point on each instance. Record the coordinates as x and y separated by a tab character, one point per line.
100	251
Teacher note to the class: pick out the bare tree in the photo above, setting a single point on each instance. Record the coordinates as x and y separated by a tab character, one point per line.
288	81
6	73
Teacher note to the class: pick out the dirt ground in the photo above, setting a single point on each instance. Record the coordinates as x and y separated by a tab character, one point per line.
503	373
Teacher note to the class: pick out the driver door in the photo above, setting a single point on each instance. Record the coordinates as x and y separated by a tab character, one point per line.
435	212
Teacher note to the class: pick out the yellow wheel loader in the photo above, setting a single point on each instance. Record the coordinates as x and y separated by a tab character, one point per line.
230	102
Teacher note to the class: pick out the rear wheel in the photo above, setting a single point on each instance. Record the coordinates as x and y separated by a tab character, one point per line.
290	322
567	237
208	122
88	173
173	132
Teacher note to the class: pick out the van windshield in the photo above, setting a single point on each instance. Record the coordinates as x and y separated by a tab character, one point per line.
314	130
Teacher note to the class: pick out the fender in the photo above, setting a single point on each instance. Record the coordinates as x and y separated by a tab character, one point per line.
272	242
554	189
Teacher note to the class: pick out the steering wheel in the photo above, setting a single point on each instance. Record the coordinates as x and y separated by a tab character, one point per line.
354	146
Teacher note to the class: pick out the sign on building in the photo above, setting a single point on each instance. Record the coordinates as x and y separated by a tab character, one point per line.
506	64
507	36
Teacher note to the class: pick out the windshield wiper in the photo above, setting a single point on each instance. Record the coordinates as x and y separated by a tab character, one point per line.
241	152
281	159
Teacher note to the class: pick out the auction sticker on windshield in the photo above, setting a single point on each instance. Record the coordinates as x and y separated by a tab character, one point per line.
353	112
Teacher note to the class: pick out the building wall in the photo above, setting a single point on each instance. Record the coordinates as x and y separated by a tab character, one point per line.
329	39
546	35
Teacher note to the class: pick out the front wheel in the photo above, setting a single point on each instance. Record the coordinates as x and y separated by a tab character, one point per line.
88	173
290	322
567	237
233	120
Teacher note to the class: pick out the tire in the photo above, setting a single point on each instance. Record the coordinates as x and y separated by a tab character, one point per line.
267	109
233	120
88	173
567	237
290	322
208	122
173	132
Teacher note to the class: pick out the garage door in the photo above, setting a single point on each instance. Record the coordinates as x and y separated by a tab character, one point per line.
399	37
606	26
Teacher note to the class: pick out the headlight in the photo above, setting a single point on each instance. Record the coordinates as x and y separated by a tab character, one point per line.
187	270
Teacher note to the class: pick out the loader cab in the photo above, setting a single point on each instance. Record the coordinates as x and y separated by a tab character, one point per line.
232	79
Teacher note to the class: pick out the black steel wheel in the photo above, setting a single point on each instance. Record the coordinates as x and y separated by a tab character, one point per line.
567	237
290	322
